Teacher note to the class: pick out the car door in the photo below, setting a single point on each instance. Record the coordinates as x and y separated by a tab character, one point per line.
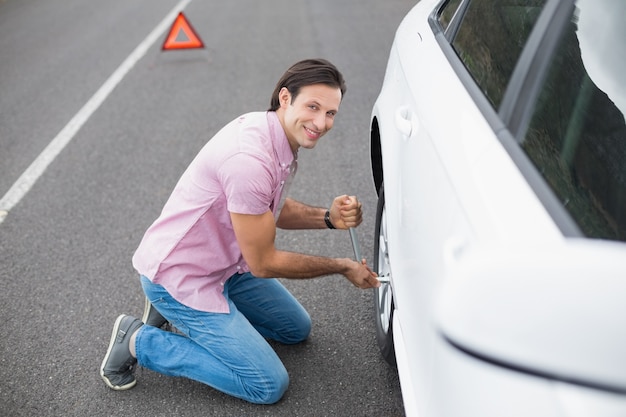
426	223
453	186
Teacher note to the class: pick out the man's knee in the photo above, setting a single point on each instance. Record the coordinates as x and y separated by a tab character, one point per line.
300	331
271	389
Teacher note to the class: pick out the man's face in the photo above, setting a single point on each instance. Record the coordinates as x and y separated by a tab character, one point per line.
310	115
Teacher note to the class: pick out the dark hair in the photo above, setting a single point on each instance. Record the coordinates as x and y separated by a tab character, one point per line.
307	72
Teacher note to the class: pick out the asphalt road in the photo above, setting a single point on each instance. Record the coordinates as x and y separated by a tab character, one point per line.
66	246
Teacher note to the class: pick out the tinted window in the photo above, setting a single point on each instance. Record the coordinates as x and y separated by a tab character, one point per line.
577	136
447	12
491	38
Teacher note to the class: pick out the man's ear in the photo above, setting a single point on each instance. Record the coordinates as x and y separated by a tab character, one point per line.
284	97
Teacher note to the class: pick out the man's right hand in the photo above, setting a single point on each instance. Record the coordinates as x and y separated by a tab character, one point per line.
361	275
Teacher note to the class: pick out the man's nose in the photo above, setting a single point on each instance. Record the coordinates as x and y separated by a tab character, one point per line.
320	122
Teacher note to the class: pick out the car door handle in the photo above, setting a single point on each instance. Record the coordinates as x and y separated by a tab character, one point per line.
404	123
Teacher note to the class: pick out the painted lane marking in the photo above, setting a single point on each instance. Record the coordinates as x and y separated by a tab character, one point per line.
26	181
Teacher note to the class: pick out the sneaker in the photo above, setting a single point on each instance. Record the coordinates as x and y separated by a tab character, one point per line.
117	367
151	316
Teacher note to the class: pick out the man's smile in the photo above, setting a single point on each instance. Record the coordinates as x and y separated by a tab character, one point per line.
313	134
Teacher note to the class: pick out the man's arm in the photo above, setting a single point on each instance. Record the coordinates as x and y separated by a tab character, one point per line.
256	235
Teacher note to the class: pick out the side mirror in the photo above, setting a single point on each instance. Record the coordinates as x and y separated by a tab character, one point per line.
556	309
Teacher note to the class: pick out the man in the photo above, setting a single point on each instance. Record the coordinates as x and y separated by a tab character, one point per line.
208	263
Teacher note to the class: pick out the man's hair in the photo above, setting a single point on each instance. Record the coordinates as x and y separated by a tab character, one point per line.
304	73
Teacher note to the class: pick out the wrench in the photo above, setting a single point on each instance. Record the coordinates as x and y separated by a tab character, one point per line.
357	251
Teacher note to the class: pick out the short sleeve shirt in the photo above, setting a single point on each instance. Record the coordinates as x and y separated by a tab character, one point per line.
191	249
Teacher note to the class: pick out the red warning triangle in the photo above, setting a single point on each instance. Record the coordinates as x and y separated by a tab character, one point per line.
182	35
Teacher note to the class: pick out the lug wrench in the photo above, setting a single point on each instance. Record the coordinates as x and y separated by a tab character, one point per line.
357	252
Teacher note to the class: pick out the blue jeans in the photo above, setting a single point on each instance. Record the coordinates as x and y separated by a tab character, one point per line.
227	351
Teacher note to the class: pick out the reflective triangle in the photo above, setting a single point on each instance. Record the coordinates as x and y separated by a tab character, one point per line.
182	35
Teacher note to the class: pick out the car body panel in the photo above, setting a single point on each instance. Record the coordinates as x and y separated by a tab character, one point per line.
452	188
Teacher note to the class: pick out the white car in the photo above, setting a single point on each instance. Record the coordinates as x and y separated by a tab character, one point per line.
498	147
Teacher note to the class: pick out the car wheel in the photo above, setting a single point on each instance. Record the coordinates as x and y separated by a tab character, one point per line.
383	296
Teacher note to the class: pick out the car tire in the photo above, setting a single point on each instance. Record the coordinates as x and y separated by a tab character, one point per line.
383	296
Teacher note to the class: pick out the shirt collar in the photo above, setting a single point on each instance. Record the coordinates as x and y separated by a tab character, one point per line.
279	138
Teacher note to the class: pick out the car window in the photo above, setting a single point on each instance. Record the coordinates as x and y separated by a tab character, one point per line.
490	40
447	12
577	135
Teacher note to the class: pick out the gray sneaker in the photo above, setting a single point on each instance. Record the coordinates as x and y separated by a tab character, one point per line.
151	316
117	367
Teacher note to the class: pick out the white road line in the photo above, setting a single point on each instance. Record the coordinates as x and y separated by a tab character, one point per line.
25	182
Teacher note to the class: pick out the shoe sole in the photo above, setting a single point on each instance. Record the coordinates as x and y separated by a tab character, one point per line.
116	328
146	309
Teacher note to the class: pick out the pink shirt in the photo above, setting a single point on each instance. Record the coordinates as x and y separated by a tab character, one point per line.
191	249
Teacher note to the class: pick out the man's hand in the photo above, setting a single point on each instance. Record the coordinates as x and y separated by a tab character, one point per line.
362	276
345	212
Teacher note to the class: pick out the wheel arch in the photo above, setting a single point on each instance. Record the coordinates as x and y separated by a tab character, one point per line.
376	155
